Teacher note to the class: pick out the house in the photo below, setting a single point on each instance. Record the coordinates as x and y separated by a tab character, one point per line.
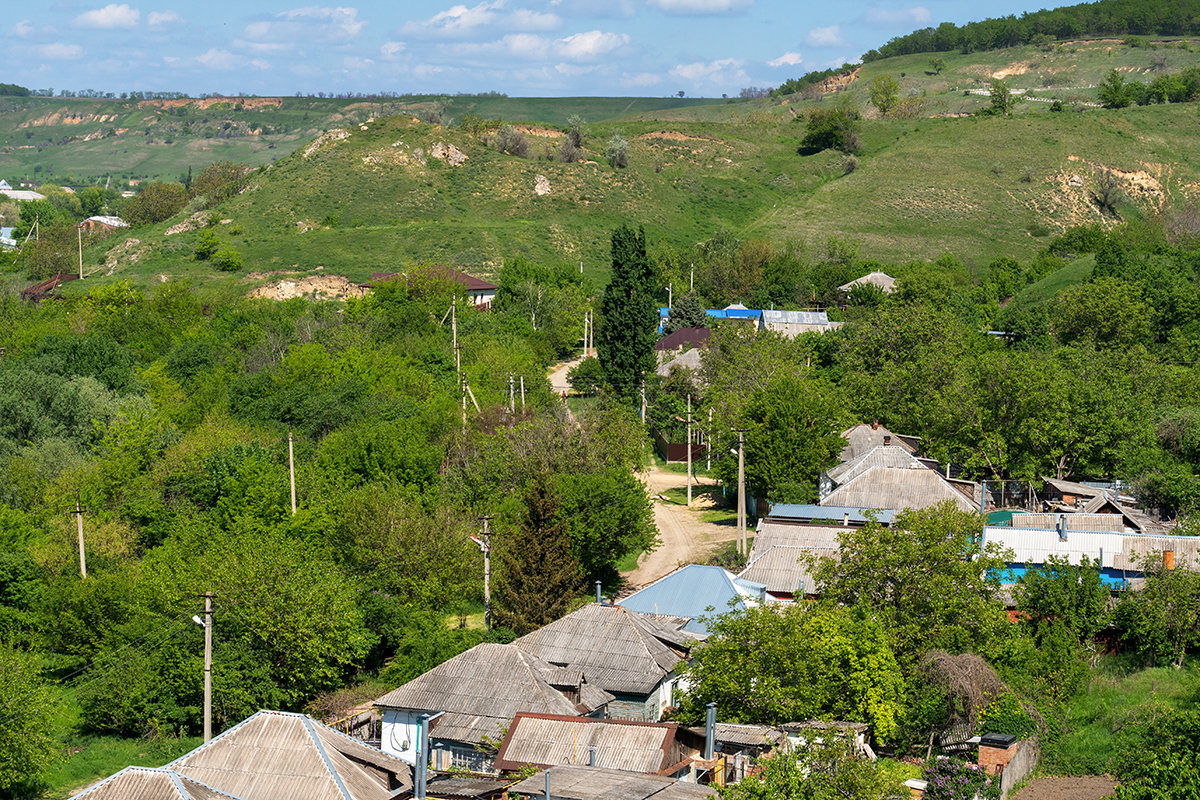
779	556
274	755
151	783
481	292
23	195
696	591
688	359
547	740
884	455
793	323
630	655
900	488
884	282
864	437
475	695
103	224
680	340
573	782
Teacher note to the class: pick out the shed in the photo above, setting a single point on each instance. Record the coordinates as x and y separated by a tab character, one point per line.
546	740
597	783
274	755
151	783
696	591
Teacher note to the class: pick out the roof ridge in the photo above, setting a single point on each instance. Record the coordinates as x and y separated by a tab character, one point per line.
333	773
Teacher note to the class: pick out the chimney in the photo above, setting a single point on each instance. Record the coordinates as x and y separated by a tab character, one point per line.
845	519
1168	559
996	750
875	424
710	730
591	756
887	440
598	597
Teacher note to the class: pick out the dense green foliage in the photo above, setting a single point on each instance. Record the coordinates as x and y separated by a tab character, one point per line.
27	745
628	317
828	768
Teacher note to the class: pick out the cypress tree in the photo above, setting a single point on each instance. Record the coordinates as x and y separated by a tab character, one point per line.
629	317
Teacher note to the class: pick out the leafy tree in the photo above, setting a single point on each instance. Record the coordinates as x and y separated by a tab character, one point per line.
92	200
827	767
617	152
937	64
27	743
835	128
1002	100
1113	91
1107	313
1162	620
1070	594
586	376
771	664
629	317
927	577
884	92
207	244
539	576
227	259
155	203
688	312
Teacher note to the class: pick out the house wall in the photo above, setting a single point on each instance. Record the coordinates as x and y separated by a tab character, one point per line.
399	733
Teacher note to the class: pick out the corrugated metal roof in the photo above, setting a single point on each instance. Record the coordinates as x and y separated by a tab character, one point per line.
274	755
897	488
795	317
462	786
1035	546
617	649
863	437
746	735
881	279
482	689
890	455
694	591
1074	522
688	359
829	513
597	783
546	741
776	556
151	783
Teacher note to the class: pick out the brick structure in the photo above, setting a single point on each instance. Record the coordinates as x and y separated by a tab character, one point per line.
996	750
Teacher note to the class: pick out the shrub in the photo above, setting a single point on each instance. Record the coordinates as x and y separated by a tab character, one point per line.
617	151
849	165
220	181
512	141
154	203
831	129
206	245
227	260
950	779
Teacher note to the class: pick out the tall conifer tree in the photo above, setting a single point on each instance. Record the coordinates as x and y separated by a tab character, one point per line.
629	323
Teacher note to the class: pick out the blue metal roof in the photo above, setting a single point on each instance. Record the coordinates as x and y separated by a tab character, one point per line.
831	513
694	591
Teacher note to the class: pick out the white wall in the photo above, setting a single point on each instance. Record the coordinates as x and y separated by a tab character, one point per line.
400	733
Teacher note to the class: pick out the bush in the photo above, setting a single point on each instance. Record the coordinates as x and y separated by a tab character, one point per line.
155	202
510	140
617	151
831	129
207	245
220	181
227	260
586	376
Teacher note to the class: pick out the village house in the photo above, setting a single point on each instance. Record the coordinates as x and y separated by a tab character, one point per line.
880	280
22	195
793	323
481	292
152	783
547	740
472	697
633	656
696	591
100	223
899	488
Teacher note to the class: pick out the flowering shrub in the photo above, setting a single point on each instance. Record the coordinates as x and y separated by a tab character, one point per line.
949	779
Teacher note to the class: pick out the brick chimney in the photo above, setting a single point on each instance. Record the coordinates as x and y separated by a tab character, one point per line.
996	750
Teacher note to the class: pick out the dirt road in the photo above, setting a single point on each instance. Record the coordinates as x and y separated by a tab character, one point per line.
685	537
558	376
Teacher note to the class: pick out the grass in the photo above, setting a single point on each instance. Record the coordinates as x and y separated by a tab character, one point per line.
629	561
91	758
1095	717
1072	274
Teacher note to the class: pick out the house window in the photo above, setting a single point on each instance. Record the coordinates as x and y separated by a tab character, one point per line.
468	759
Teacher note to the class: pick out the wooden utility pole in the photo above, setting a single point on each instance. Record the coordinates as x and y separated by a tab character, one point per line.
208	596
512	397
79	524
79	232
454	333
741	495
292	470
689	452
485	544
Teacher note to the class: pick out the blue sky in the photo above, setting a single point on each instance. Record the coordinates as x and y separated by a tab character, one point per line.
520	47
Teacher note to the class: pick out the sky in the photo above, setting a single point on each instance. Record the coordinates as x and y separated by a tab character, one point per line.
543	48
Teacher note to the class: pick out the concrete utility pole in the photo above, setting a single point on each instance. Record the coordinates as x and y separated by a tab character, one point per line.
689	452
670	296
522	394
708	443
643	397
692	279
741	495
292	470
462	377
454	333
79	524
485	544
208	596
512	397
587	320
79	232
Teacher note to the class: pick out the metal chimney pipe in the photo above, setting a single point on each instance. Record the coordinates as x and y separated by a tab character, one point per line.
598	597
547	784
710	730
591	756
422	760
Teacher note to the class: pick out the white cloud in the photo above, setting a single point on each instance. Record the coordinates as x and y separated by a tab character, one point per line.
308	24
891	17
525	46
215	58
111	17
463	22
356	64
263	47
787	60
701	6
830	36
590	45
724	71
21	29
391	49
426	71
60	51
640	79
161	19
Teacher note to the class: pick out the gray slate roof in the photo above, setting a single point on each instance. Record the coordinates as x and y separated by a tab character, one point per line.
775	558
545	740
897	488
881	279
482	689
746	735
597	783
150	783
867	436
274	755
617	649
892	455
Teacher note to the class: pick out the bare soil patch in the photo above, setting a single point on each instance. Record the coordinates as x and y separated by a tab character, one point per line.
1087	787
321	287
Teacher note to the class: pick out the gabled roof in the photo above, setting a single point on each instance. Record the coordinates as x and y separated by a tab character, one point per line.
482	689
618	649
274	755
596	783
864	437
112	222
897	488
776	556
688	359
151	783
695	591
891	455
881	279
545	740
684	337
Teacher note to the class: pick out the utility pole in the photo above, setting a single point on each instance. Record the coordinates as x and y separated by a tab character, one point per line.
208	596
708	443
643	397
485	544
292	470
79	234
689	449
522	394
79	524
741	495
512	398
670	295
587	320
462	377
692	278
